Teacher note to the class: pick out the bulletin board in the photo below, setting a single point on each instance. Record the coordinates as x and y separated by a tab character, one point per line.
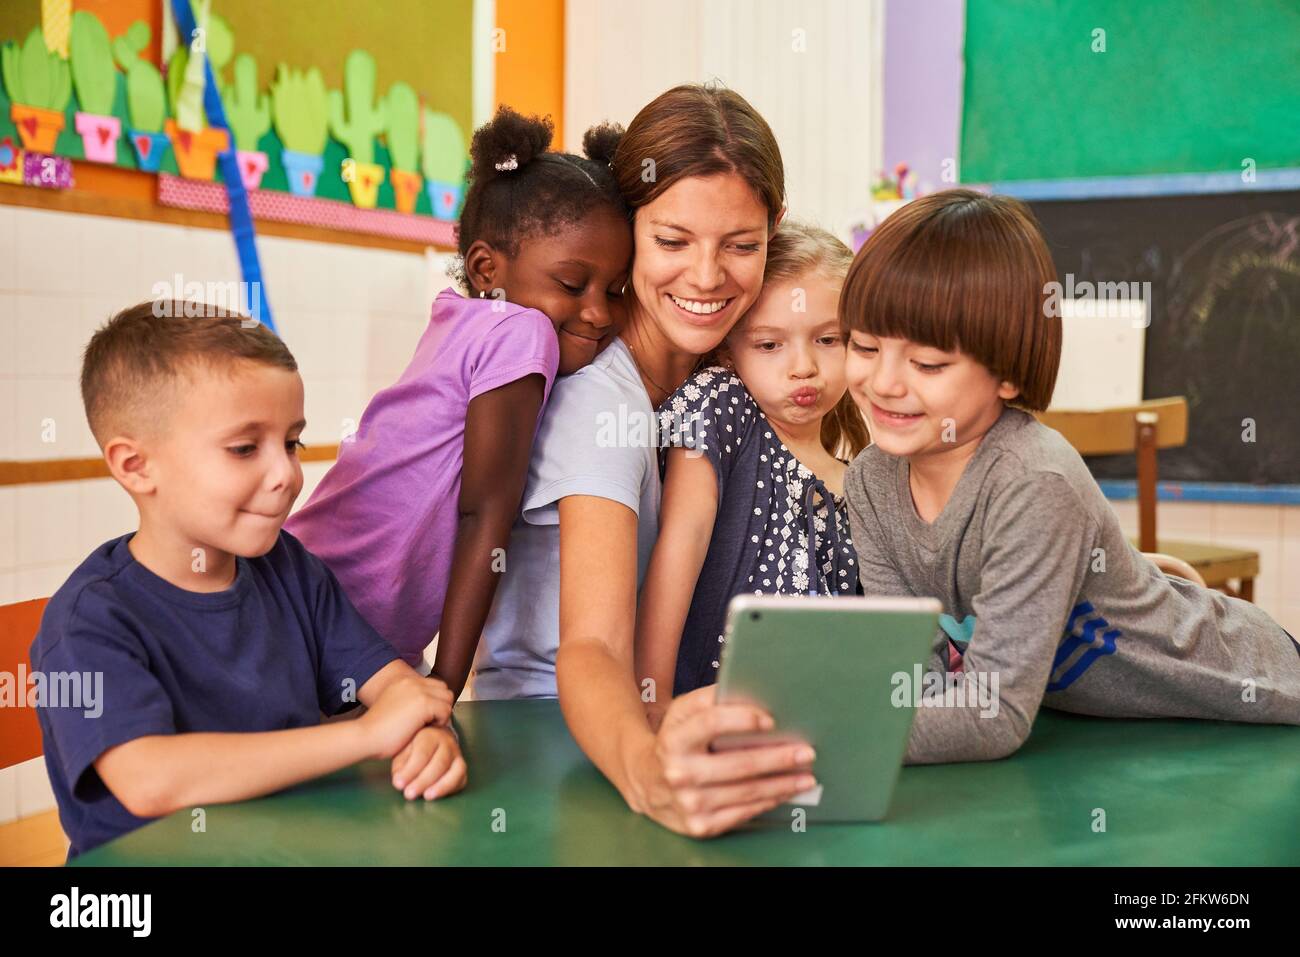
387	159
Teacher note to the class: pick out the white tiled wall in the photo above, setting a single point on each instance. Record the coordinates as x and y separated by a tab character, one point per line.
350	315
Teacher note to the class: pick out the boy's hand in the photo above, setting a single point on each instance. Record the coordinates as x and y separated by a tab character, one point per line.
402	710
431	765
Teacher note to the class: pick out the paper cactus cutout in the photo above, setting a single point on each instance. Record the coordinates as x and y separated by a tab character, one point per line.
248	112
93	75
221	43
365	117
402	109
35	76
299	110
218	45
443	148
145	98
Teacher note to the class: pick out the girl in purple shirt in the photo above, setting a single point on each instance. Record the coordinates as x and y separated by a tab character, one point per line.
414	517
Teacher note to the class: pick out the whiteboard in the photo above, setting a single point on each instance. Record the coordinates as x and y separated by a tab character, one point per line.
1102	350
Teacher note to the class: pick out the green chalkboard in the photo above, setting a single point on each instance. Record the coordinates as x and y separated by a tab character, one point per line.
1171	86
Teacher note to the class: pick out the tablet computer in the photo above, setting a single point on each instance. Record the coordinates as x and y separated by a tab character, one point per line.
826	670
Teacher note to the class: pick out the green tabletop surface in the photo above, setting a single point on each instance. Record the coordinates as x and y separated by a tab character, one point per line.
1080	791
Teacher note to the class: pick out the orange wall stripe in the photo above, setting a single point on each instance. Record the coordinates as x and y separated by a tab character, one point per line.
530	72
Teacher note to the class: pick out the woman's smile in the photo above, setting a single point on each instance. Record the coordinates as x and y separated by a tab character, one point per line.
703	312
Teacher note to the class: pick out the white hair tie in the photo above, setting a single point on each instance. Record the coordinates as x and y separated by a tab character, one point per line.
507	164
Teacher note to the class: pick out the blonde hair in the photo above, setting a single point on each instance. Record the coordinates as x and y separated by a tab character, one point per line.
799	249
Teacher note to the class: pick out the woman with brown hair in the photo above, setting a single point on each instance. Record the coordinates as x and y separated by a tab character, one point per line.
702	174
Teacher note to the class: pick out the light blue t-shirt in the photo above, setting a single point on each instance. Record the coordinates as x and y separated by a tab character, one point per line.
598	437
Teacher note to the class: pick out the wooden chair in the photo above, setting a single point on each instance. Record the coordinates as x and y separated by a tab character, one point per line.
37	839
20	733
1143	429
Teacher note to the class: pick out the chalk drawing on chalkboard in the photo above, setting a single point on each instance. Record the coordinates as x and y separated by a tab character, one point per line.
1265	245
1234	308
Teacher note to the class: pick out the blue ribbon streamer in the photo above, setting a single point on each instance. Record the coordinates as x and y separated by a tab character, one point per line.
241	217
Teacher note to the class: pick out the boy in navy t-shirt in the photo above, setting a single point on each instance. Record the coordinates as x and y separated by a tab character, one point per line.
212	639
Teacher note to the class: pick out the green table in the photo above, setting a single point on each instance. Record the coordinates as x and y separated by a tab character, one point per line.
1173	793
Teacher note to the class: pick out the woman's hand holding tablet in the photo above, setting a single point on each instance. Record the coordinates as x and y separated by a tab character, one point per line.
702	793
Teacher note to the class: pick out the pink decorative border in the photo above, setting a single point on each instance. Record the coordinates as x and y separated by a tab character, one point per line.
307	211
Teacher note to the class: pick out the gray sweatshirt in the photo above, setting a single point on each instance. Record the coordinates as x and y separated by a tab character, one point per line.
1052	605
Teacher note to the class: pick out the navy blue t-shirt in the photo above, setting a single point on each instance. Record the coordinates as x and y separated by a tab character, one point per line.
273	651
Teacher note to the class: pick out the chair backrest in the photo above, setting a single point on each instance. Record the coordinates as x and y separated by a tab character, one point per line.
20	733
1112	431
1142	428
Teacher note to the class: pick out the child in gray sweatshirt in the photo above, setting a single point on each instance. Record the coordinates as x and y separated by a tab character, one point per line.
968	499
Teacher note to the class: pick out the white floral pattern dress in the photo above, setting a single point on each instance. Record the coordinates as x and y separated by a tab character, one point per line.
770	505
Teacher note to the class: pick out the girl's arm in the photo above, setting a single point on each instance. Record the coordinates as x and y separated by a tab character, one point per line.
389	674
671	775
499	429
686	517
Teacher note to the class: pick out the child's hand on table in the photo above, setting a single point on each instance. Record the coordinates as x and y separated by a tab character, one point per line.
431	765
402	710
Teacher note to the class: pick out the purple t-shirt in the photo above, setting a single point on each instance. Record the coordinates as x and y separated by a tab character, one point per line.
384	517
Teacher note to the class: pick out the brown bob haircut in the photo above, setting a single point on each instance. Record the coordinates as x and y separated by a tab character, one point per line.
699	130
962	271
134	360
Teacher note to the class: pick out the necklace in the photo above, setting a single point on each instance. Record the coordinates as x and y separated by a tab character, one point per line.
645	375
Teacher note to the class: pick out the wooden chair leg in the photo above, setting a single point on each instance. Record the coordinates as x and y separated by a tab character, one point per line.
1248	589
1146	480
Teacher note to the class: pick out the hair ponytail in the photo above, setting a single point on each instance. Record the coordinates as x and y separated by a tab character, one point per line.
518	188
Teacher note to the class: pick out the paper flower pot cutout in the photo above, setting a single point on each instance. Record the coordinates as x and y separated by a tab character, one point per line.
303	170
149	149
406	189
38	128
95	81
402	131
444	198
39	84
363	183
11	162
99	135
248	114
196	153
443	163
252	164
146	101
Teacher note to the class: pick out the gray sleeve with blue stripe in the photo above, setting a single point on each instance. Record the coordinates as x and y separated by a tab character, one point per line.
1032	566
